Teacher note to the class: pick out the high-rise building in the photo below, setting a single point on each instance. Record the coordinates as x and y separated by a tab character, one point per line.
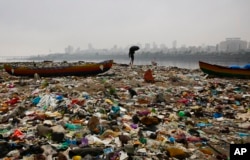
78	50
174	44
211	49
163	46
154	45
90	47
147	47
69	49
232	45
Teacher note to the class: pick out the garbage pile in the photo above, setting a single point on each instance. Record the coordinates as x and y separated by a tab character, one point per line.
144	112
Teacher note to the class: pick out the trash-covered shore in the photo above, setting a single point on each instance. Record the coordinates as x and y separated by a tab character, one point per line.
143	112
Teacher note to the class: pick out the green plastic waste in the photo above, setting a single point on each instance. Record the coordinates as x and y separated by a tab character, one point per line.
181	113
143	140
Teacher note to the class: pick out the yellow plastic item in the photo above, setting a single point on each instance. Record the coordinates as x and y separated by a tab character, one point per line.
77	158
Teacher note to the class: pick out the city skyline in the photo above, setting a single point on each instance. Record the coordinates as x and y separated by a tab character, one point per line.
232	44
31	27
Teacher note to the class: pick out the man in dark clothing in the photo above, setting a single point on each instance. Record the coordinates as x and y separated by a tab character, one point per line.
131	54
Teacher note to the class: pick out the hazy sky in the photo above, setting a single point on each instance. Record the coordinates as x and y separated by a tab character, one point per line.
31	27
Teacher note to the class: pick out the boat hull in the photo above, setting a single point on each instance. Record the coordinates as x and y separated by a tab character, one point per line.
87	69
223	71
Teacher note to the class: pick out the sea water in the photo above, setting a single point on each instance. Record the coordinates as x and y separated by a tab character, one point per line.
179	62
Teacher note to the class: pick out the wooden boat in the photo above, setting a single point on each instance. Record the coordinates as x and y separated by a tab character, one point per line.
65	69
224	71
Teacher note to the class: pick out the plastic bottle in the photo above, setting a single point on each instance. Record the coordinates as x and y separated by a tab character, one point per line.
72	127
